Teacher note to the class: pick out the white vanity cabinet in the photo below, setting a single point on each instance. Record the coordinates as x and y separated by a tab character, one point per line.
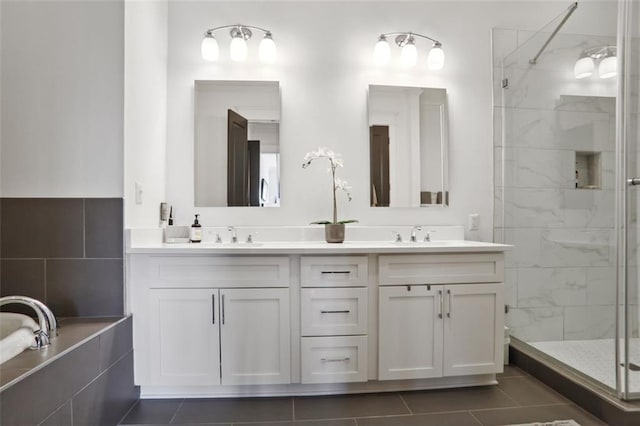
195	334
334	319
314	318
185	336
440	315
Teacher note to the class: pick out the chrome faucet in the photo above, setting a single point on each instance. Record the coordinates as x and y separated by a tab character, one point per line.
398	236
234	236
46	320
414	233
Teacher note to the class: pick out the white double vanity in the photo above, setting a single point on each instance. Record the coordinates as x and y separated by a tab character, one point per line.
307	317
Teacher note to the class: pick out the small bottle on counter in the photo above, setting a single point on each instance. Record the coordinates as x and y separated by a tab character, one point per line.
195	233
171	216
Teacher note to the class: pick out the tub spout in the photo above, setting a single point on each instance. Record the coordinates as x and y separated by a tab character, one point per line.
46	319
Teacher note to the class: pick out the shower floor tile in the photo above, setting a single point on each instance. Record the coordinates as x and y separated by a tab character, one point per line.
595	358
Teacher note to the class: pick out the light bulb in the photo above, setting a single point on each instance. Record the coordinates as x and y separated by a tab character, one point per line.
267	51
409	55
435	58
382	52
209	48
238	49
608	67
583	67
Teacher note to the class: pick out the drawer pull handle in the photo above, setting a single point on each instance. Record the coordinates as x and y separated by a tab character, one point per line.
450	313
336	312
335	272
345	359
441	303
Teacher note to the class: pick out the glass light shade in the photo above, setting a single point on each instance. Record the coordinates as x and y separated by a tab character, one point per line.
238	49
608	67
267	51
435	59
209	48
409	55
382	52
583	67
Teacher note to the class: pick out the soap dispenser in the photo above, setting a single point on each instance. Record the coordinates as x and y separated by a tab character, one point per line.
195	233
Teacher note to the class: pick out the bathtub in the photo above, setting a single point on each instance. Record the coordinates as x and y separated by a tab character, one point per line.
16	334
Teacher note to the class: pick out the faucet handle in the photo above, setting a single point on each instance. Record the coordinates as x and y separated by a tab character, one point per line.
234	236
398	236
250	238
218	239
427	237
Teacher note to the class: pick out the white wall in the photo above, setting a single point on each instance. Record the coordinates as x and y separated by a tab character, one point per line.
325	66
62	99
145	123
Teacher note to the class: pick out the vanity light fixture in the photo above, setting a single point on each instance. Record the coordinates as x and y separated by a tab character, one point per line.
238	49
586	64
409	54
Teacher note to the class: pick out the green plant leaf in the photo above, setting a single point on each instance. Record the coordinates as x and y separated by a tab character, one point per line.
348	221
320	222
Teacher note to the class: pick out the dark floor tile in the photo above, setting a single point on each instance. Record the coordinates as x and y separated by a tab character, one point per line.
339	422
526	390
85	287
234	410
546	413
341	406
510	371
457	399
444	419
103	227
152	411
41	228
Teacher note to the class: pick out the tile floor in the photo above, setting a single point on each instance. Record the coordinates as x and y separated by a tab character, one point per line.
518	398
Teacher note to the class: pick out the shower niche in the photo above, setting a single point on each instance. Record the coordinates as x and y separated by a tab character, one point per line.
588	170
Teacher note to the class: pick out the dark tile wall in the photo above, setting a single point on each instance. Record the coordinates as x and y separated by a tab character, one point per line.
66	252
91	385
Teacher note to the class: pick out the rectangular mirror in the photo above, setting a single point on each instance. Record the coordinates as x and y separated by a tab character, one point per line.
408	146
237	143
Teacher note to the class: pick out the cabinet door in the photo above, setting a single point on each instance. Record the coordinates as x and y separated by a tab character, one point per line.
255	336
473	329
410	339
184	332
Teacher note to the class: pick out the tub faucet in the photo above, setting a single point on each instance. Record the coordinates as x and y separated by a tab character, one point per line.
46	320
414	233
234	236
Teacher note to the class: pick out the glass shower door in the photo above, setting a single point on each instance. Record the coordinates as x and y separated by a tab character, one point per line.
629	199
555	202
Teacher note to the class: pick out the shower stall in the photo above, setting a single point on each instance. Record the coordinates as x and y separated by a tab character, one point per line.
566	150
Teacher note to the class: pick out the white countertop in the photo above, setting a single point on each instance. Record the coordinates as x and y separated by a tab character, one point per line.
318	247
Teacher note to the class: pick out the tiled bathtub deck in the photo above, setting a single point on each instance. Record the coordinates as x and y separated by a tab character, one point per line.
519	398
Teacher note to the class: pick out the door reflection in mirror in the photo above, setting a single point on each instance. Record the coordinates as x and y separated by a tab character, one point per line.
237	147
408	146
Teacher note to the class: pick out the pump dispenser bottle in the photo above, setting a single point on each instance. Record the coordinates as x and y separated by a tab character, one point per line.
195	232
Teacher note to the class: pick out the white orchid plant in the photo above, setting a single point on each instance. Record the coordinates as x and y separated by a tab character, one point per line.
335	161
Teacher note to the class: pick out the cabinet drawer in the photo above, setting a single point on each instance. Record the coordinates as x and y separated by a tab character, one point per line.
334	359
441	268
333	311
218	271
334	271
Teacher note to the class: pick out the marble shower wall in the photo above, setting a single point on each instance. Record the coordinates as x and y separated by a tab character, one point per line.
560	275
